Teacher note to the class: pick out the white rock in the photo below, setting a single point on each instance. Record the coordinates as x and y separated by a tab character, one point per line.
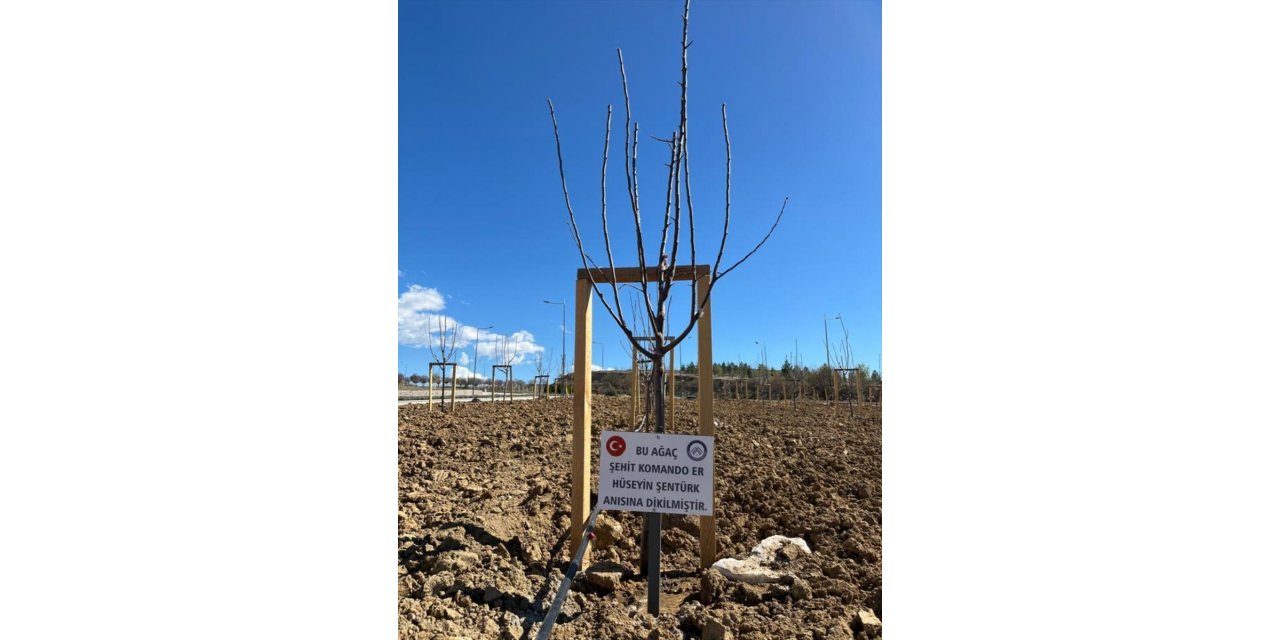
749	571
768	548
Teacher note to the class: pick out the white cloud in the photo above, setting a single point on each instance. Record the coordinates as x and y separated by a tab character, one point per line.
418	299
420	326
513	349
463	373
471	334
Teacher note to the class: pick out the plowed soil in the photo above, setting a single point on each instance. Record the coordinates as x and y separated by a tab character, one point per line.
484	518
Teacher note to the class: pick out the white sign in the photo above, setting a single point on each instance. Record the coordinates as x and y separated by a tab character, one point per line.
656	472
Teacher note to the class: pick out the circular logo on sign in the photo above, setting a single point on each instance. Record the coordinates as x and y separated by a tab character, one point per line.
697	451
615	445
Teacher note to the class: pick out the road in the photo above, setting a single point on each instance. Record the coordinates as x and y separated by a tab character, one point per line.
460	398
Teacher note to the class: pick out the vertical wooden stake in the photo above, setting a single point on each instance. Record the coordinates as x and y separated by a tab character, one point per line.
580	494
453	385
430	379
706	420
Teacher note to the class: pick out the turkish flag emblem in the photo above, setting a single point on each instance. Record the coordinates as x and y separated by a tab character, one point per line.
615	445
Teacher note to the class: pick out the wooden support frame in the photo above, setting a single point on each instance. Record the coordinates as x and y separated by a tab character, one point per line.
546	386
493	381
706	421
453	381
838	375
580	464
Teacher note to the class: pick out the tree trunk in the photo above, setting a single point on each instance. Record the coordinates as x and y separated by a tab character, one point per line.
653	542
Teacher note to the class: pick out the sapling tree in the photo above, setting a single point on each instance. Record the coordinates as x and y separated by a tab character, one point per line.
666	328
541	368
844	360
444	348
538	364
506	356
794	373
447	340
658	318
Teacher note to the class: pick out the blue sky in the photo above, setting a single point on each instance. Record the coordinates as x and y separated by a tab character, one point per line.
483	233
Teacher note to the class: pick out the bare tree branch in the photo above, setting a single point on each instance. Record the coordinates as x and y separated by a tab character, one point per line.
633	188
678	169
448	340
682	136
728	175
604	219
666	212
762	240
574	224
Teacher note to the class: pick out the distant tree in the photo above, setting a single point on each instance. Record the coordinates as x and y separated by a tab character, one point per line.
820	379
448	345
539	365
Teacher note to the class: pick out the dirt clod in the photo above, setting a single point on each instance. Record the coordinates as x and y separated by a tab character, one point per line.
868	622
711	586
608	531
800	590
713	630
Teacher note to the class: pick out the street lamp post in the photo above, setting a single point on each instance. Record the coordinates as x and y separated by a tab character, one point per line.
848	356
562	342
764	358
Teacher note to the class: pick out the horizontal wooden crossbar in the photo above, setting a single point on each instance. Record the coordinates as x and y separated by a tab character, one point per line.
632	274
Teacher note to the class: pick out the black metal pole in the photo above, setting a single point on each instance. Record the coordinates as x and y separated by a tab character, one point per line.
655	551
654	538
